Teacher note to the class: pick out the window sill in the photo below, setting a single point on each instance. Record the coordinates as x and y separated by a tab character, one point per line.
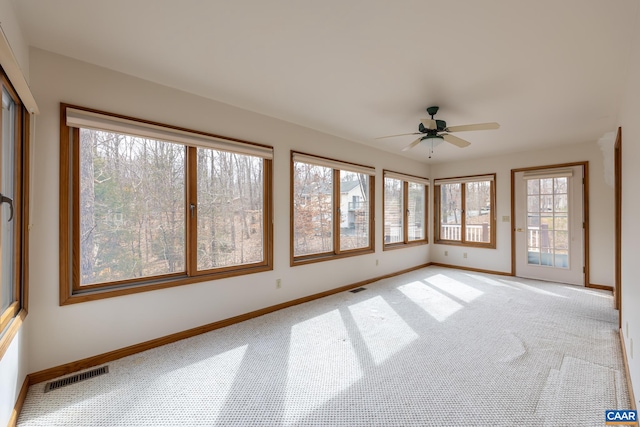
310	259
467	244
400	245
11	331
94	294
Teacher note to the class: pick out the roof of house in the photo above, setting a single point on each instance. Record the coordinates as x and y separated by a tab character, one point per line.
346	186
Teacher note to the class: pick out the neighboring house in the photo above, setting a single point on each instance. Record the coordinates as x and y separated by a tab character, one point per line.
353	201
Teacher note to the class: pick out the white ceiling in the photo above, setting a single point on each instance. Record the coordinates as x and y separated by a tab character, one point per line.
550	72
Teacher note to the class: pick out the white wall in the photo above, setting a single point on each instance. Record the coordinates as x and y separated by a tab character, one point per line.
64	334
13	365
499	259
11	28
13	371
630	124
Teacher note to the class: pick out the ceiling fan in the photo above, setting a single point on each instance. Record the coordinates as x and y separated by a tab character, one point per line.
432	129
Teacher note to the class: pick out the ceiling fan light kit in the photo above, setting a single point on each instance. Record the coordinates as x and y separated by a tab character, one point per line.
432	129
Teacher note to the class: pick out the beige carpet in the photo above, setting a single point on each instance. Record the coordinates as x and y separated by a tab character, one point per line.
435	347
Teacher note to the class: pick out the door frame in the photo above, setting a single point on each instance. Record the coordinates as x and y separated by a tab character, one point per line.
617	285
585	212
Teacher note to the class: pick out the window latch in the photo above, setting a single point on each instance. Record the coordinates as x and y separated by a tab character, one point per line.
5	199
192	208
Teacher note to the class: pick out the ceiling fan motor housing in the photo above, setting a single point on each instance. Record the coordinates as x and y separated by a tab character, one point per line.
441	126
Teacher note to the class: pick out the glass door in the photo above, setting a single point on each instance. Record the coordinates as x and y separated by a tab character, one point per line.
548	224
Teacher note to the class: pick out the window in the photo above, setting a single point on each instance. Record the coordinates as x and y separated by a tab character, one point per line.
13	215
405	210
464	211
331	208
147	206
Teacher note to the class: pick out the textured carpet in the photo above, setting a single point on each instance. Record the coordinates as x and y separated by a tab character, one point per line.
434	347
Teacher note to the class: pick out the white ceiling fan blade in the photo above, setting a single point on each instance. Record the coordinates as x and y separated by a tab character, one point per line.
429	123
458	142
479	126
413	144
400	134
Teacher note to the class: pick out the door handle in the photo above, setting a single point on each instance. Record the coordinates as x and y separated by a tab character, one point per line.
519	230
5	199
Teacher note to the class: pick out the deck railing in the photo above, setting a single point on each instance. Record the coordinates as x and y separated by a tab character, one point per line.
473	232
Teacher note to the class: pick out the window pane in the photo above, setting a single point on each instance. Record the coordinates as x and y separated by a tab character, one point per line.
354	210
132	207
450	212
478	211
562	259
561	222
560	185
546	240
416	211
312	209
533	186
393	207
560	203
533	203
546	186
230	209
546	258
7	187
562	240
533	257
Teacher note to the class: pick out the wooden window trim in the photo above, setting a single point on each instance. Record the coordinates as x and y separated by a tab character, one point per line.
337	253
406	243
437	212
11	318
70	292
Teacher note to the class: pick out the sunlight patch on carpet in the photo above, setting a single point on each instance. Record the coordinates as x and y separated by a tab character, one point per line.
490	281
382	329
324	340
533	288
586	291
454	287
436	304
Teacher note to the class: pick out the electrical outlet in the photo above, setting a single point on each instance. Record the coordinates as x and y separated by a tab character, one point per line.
278	283
377	262
446	253
464	255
